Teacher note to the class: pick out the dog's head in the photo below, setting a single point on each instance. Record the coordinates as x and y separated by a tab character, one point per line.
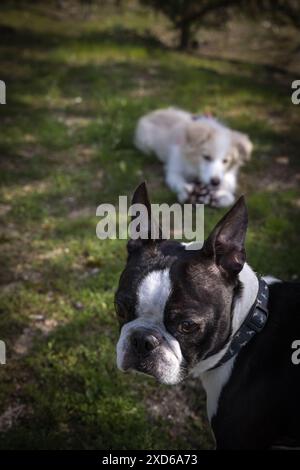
175	305
215	149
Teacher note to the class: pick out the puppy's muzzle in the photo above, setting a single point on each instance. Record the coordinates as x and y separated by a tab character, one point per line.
215	181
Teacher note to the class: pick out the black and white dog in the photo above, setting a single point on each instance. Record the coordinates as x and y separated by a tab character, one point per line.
205	312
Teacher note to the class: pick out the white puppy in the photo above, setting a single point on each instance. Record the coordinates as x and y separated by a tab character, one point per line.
194	147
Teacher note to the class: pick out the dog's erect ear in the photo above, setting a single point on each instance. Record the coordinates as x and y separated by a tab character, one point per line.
143	223
140	196
226	243
243	145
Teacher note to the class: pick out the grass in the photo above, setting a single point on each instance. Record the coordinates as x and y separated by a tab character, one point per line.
75	89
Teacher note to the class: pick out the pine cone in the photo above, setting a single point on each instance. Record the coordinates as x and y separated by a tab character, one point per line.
202	194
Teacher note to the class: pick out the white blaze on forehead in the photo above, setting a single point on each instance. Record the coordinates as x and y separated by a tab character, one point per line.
153	294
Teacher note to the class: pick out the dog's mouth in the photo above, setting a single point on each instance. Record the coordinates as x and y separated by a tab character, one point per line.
161	365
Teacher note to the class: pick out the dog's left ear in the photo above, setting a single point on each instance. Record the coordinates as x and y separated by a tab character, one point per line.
243	145
226	243
149	230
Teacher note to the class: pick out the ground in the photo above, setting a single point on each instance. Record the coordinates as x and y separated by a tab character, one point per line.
77	81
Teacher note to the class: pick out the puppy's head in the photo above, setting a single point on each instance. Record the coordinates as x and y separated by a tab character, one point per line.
215	149
175	305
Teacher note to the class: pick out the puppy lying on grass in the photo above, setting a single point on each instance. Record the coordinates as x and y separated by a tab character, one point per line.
195	148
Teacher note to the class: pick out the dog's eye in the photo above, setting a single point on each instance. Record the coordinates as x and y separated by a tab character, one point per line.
225	160
207	158
187	326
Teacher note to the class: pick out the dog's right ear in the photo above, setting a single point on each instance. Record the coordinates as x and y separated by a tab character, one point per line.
143	229
243	145
226	243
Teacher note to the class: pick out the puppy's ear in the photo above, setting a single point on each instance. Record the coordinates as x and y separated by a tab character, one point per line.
243	145
226	243
146	229
197	132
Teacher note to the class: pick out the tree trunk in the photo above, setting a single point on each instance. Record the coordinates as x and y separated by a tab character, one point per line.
185	35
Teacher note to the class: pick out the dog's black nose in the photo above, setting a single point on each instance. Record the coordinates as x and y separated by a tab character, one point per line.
215	181
144	342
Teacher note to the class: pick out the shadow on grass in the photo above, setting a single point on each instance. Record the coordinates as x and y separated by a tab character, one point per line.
37	40
65	397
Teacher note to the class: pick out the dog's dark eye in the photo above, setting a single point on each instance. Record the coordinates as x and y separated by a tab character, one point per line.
187	326
225	160
207	158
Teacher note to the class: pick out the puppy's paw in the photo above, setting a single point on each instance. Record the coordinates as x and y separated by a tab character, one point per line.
222	199
184	194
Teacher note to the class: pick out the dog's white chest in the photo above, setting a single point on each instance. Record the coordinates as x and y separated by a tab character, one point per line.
213	382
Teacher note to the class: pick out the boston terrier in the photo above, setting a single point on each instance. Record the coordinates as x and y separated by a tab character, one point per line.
205	312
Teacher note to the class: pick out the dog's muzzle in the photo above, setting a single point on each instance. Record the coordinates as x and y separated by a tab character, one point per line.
143	342
149	350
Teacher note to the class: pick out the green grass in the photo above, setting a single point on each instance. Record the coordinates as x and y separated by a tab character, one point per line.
74	92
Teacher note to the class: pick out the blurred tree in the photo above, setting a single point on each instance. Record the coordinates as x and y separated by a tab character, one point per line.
187	15
279	11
